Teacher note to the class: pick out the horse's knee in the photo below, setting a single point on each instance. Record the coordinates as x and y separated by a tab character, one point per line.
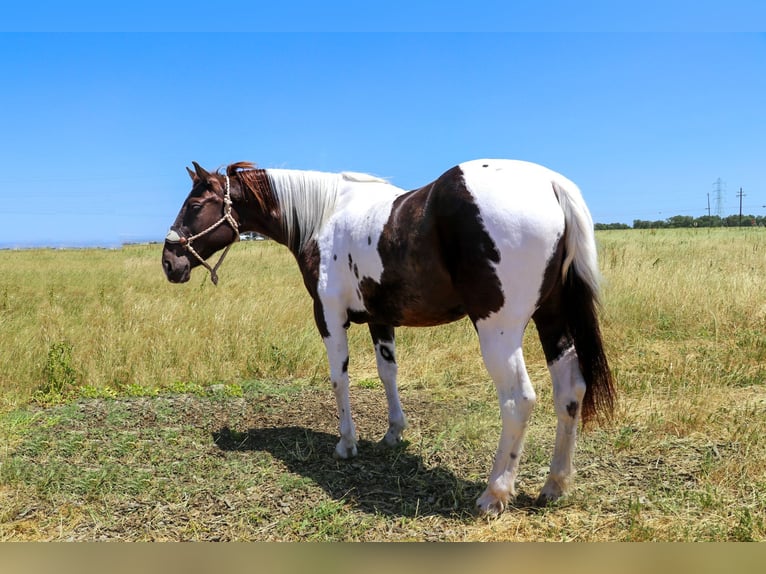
518	406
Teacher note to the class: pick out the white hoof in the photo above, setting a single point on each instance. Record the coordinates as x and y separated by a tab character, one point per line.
489	504
345	450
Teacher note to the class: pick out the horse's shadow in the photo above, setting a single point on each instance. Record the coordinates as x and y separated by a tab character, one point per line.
380	480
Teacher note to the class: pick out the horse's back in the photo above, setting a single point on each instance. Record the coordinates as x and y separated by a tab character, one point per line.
514	195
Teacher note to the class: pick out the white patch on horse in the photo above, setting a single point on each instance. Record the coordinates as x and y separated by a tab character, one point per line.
348	243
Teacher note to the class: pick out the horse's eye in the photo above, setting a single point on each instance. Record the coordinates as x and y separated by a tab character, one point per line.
195	207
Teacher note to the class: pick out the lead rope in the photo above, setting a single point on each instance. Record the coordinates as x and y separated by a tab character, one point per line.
186	242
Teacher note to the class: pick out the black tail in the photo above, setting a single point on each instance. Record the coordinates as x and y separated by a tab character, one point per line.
580	302
580	306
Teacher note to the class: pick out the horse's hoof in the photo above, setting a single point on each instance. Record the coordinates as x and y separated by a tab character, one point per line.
552	490
343	452
392	440
543	500
490	505
546	499
393	445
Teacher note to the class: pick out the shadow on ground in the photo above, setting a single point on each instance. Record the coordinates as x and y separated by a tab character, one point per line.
381	480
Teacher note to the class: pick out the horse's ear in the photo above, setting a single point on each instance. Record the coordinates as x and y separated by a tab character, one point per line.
192	175
200	171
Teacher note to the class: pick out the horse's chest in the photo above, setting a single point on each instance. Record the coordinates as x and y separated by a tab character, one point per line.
349	252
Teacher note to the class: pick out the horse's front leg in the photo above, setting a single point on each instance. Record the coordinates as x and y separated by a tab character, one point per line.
336	344
385	356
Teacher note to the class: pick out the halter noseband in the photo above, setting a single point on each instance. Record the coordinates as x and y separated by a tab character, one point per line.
186	242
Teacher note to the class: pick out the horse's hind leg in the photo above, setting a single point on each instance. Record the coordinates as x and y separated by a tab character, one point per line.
385	356
568	393
503	357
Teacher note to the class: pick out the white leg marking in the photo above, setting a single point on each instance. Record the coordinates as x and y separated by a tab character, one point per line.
568	392
337	355
504	360
385	356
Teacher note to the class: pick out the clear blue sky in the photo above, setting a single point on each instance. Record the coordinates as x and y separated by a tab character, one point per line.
96	128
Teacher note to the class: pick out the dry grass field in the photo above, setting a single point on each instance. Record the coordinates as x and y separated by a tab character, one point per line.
133	409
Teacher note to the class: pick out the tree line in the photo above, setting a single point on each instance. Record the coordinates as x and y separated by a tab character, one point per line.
688	221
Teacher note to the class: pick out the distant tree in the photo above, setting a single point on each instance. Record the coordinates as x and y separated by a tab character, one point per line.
732	220
680	221
708	221
605	226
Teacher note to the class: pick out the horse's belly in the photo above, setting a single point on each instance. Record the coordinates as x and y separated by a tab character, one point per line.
404	304
429	317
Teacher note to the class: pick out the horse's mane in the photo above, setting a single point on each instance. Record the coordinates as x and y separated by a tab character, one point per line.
305	199
253	180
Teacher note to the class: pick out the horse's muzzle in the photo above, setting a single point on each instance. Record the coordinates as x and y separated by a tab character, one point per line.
177	268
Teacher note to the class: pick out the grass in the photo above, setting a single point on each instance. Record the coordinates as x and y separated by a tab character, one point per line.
133	409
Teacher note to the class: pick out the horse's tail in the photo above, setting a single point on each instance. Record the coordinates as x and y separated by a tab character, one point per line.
580	276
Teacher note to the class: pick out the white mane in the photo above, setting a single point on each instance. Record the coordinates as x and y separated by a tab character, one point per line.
307	200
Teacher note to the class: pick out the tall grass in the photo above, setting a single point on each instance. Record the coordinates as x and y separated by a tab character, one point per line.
685	307
128	328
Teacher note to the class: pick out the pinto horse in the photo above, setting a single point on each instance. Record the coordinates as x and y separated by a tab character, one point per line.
500	241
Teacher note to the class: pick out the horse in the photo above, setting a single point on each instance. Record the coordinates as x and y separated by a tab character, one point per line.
500	241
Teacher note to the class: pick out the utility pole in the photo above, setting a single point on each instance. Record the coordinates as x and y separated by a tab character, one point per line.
740	195
708	204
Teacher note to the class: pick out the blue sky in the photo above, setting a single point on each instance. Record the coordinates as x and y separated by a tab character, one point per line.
96	128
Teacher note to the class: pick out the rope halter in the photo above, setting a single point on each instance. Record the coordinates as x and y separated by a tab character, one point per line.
186	242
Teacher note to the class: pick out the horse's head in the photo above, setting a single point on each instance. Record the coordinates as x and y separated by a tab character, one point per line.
205	224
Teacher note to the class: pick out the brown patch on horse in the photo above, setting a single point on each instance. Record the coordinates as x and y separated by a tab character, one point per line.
437	259
468	252
308	263
549	318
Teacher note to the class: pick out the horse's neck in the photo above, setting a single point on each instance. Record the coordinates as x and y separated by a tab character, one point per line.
306	200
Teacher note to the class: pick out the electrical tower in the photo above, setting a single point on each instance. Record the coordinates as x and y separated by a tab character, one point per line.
719	188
